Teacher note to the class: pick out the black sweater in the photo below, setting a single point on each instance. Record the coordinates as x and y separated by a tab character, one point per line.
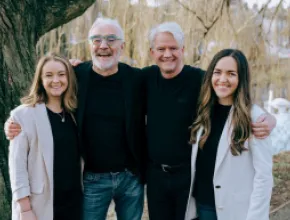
134	119
171	109
104	129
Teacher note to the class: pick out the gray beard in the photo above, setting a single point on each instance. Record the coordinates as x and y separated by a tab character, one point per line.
106	67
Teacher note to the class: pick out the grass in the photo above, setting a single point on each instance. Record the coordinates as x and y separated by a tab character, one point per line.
281	172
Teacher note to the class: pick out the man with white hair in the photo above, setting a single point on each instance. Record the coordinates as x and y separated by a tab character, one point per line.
111	127
172	94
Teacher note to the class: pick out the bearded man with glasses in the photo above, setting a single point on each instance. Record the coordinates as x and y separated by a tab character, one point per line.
112	126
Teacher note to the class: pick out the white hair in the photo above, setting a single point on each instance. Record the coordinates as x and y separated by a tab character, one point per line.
108	21
168	27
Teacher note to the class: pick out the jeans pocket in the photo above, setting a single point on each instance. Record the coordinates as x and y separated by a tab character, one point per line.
129	173
133	185
91	177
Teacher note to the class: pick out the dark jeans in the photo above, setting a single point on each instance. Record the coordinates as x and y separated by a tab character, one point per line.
167	193
123	187
206	212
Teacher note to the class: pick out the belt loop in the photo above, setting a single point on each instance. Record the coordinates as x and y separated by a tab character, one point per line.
164	167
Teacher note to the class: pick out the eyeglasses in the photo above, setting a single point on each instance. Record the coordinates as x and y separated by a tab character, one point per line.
109	39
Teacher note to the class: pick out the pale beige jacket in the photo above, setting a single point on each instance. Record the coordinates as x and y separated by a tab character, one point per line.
242	184
31	161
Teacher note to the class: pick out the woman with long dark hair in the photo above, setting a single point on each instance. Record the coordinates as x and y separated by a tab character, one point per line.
231	169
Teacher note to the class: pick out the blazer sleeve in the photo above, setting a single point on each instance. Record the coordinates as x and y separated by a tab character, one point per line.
18	170
261	150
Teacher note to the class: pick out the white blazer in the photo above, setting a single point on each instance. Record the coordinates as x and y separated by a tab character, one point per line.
244	182
31	161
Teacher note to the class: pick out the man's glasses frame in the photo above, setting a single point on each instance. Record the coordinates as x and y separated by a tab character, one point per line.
109	39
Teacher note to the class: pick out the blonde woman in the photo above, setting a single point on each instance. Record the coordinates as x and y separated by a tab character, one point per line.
44	159
231	170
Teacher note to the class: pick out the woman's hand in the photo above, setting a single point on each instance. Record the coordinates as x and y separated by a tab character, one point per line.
11	129
75	62
263	126
28	215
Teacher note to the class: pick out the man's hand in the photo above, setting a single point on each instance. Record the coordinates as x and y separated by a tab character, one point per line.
75	62
11	129
263	126
28	215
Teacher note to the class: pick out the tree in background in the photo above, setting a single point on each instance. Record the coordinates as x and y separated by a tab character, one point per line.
22	23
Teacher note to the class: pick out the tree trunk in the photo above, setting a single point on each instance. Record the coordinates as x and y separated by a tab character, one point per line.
21	25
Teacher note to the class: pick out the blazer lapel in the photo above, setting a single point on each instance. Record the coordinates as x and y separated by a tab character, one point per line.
45	138
127	93
224	143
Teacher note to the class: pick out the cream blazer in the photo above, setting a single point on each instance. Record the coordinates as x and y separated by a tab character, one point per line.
31	161
242	184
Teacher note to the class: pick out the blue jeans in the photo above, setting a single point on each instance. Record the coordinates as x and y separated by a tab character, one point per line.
206	212
123	187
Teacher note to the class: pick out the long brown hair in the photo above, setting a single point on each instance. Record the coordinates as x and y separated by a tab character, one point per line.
241	117
37	93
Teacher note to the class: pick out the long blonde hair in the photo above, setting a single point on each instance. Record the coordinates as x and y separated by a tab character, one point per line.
37	93
241	117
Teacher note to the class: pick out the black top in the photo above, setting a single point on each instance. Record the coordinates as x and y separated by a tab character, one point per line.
132	92
104	124
171	109
206	157
66	158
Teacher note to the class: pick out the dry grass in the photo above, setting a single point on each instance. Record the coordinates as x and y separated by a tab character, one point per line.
281	171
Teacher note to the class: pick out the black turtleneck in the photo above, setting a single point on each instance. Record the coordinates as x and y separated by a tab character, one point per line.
206	157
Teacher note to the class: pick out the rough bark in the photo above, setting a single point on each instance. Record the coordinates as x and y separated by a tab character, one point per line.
22	23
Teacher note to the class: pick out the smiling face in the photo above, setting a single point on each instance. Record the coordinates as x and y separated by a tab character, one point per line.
106	57
167	54
54	79
225	80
